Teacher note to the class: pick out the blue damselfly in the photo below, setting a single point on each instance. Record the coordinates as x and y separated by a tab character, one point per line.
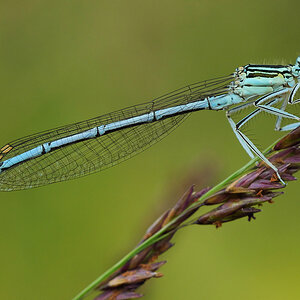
85	147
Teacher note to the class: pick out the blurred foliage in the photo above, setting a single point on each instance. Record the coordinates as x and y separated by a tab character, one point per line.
66	61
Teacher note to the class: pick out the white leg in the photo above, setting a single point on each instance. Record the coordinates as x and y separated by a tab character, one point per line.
246	143
273	110
289	100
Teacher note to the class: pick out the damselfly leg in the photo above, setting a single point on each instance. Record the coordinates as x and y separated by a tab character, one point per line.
273	110
271	99
288	100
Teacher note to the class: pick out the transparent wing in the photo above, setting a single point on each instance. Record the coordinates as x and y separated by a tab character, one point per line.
85	157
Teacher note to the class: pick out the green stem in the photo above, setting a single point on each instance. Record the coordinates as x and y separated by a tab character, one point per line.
161	233
151	240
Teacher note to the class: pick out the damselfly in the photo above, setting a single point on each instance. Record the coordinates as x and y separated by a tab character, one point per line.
82	148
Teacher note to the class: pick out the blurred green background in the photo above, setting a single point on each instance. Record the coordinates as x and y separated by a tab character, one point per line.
66	61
